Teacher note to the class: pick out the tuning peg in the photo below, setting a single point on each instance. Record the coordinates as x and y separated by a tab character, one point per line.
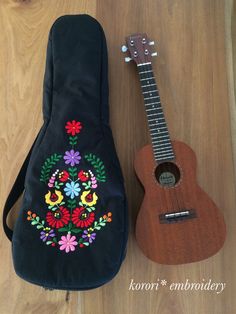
154	54
151	43
128	59
124	48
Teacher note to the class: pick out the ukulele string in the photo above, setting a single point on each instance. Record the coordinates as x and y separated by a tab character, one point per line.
176	202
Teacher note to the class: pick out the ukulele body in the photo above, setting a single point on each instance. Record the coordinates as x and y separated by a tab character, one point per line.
178	223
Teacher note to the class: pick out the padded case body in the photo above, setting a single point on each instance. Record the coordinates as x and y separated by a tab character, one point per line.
71	231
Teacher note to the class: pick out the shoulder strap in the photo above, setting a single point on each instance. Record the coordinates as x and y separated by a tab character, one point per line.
16	191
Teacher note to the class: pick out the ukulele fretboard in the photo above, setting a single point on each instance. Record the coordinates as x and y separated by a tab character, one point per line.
161	143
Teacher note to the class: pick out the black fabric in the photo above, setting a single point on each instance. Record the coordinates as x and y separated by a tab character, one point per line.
75	89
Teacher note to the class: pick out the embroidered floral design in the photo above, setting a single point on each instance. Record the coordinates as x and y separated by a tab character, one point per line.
89	237
72	157
58	218
68	243
72	189
47	235
83	176
88	198
71	220
73	127
63	176
53	198
81	217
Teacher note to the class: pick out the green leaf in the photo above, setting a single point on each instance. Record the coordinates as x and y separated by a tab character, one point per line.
72	171
34	222
97	227
75	230
39	227
98	165
49	242
47	166
86	243
62	229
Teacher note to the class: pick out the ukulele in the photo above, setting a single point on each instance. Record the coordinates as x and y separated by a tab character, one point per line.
177	223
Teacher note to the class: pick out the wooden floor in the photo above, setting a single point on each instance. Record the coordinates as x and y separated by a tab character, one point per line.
195	73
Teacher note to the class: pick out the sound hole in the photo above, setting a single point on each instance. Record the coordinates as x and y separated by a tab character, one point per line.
167	174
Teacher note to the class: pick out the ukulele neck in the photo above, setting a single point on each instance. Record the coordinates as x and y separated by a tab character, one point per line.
161	143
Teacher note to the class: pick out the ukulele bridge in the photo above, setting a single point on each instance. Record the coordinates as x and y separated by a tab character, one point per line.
174	217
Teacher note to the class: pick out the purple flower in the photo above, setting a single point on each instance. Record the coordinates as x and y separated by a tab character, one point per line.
89	237
71	157
47	235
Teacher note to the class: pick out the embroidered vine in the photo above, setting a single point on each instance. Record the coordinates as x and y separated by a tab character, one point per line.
70	221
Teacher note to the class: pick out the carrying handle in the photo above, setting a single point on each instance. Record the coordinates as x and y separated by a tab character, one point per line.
15	193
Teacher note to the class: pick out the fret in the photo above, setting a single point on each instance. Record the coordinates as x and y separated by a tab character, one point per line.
158	113
153	108
168	154
151	97
157	119
145	71
157	124
148	85
161	143
164	140
156	127
159	139
161	149
141	64
148	78
155	148
151	91
170	151
161	134
165	144
153	103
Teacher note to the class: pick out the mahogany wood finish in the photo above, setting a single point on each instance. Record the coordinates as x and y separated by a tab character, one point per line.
185	241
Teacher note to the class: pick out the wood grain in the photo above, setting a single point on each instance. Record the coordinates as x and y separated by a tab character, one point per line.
194	79
205	230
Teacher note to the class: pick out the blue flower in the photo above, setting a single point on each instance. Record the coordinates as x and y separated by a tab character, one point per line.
72	189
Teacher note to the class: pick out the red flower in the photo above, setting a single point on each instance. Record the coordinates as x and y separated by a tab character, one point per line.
63	176
59	218
83	176
73	127
82	218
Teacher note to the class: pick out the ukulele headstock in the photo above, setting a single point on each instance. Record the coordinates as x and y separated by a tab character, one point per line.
138	49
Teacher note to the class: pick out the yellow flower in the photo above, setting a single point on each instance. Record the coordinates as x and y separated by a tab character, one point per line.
53	198
88	198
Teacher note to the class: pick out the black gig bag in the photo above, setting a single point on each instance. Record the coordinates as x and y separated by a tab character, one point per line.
71	231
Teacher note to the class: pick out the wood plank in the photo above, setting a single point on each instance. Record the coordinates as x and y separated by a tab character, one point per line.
24	33
194	85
